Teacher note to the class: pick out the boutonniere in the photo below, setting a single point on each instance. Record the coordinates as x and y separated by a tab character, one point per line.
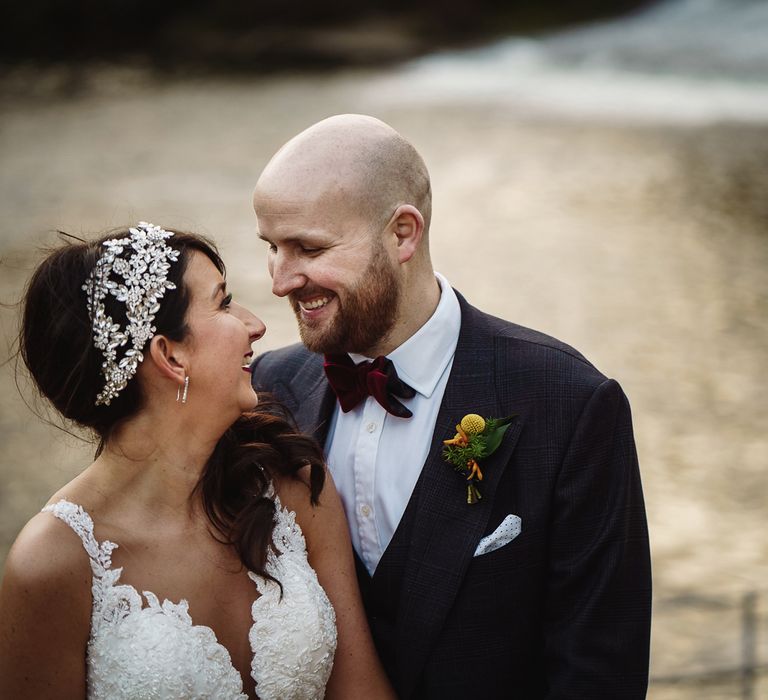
476	438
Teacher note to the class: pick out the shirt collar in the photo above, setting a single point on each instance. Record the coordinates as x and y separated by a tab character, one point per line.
421	360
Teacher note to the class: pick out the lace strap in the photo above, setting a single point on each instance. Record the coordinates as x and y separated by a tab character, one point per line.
100	555
287	535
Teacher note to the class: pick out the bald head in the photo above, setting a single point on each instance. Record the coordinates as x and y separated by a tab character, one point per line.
351	161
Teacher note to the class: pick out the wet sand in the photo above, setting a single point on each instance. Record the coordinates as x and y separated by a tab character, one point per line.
644	247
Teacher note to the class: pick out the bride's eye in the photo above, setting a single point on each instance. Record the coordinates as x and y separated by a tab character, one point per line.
226	301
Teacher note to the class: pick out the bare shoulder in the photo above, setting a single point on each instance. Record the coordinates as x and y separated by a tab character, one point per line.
325	519
48	556
295	494
45	610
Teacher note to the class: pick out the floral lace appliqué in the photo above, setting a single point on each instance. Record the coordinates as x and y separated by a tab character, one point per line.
293	637
154	650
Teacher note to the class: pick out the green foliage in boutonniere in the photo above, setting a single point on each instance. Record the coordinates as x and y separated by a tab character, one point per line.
476	437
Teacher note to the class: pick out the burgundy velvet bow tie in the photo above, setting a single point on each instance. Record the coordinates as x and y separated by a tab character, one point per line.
352	383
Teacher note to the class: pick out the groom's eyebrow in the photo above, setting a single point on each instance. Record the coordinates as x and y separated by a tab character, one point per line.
304	237
266	240
220	287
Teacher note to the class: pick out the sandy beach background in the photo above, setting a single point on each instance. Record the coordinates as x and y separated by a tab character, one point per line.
643	243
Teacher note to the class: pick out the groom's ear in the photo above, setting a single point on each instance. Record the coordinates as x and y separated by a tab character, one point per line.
168	357
407	224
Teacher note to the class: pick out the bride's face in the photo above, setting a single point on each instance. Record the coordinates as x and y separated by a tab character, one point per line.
219	343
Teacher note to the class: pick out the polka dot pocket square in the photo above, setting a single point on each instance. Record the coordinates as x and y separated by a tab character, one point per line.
510	528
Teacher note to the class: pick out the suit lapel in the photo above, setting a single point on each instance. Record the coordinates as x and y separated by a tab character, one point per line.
446	528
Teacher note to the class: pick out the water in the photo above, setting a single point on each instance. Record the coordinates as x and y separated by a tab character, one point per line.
679	61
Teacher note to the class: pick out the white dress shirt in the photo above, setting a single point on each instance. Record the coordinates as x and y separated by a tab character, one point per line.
375	457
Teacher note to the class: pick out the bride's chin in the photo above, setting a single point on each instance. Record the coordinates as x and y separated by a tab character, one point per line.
250	403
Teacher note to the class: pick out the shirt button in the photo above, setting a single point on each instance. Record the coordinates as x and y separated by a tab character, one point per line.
365	511
370	427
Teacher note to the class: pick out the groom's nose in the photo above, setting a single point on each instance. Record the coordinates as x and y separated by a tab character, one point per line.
286	274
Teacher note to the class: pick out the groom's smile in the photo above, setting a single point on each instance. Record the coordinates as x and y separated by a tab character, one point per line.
314	304
313	309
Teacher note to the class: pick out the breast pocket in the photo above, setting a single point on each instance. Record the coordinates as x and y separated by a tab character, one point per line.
507	531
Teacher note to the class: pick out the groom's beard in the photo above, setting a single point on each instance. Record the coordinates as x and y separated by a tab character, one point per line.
365	315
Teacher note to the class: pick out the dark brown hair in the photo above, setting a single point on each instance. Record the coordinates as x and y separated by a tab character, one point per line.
56	345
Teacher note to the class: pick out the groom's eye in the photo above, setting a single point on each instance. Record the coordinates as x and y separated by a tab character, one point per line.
309	249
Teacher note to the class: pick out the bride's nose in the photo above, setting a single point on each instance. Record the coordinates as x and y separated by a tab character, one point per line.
253	323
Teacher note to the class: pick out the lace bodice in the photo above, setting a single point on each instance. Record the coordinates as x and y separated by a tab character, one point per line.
154	650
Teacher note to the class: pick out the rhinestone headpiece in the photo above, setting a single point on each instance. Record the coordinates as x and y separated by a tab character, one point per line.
142	259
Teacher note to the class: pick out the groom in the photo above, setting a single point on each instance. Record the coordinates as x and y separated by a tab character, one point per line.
540	589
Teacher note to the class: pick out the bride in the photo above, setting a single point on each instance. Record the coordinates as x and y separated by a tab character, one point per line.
204	553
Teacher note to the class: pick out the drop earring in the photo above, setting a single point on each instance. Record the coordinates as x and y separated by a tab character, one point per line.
183	396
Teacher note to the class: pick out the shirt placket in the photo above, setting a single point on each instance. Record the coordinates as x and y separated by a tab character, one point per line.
366	447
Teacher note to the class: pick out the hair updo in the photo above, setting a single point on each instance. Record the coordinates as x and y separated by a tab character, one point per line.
56	345
56	341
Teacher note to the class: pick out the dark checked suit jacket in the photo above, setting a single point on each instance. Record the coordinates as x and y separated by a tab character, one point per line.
561	611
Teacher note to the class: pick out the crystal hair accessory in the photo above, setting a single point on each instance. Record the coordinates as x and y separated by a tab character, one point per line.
142	259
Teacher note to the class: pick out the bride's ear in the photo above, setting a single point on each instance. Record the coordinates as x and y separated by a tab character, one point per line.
168	357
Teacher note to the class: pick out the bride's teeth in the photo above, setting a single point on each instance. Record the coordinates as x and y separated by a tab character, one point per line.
316	304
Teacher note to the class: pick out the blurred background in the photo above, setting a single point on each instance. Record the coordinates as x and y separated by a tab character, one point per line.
600	172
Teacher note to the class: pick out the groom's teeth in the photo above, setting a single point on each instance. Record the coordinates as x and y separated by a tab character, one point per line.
316	304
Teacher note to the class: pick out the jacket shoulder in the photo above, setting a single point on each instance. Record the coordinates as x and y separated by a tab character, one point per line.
296	354
276	368
518	345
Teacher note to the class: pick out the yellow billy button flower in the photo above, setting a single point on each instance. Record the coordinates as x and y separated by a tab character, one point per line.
476	438
472	424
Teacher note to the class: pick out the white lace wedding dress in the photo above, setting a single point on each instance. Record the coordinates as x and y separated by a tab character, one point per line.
154	650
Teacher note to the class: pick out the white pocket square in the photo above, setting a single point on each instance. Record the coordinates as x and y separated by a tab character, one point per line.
510	528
